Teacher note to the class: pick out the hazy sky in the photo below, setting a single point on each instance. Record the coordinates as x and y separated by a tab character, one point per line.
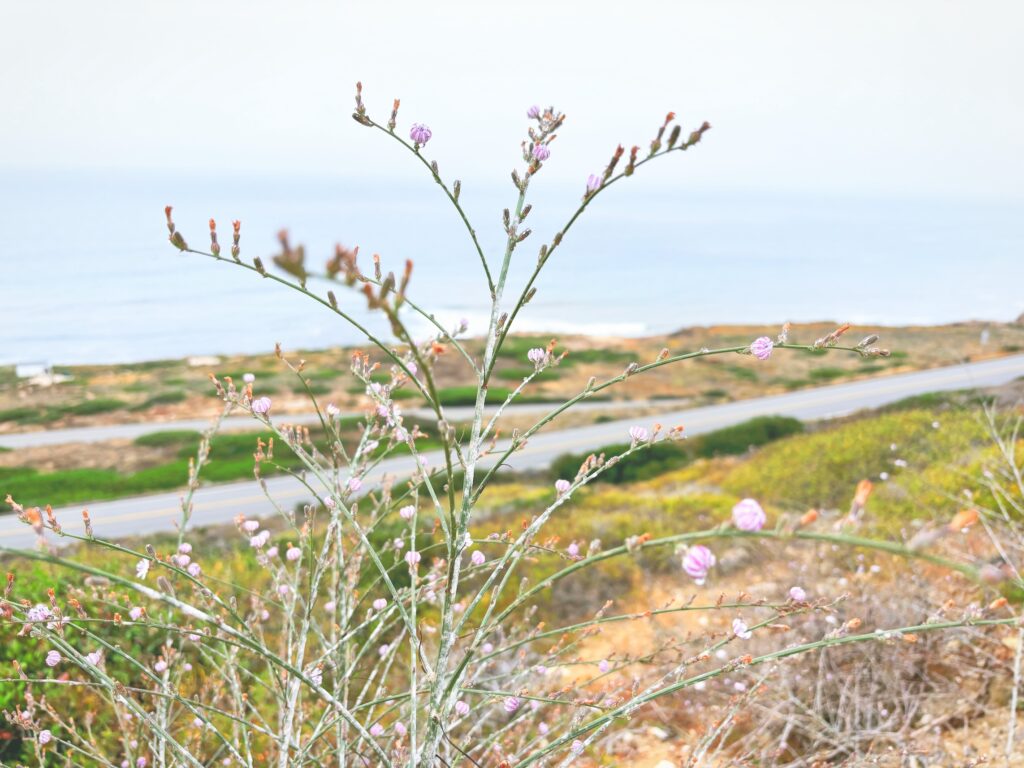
918	99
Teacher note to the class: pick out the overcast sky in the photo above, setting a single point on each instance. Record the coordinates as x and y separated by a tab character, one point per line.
917	99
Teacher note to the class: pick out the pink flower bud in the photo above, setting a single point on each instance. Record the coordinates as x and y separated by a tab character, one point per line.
45	737
594	182
53	658
478	558
747	515
697	561
761	348
412	557
380	604
562	487
461	708
638	434
740	629
420	134
406	513
541	152
261	405
797	594
511	704
533	112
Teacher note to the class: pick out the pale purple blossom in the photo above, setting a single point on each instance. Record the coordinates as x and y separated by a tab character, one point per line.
533	112
53	658
248	378
272	551
638	434
538	356
194	570
259	540
293	553
761	348
181	560
330	605
39	613
697	561
400	728
412	557
594	182
135	613
603	666
283	590
45	737
542	728
399	543
251	526
383	650
407	512
142	568
419	133
740	629
747	515
577	747
354	484
185	548
94	658
562	487
541	152
261	405
380	604
487	647
332	410
160	666
376	729
141	762
461	708
511	704
797	594
573	549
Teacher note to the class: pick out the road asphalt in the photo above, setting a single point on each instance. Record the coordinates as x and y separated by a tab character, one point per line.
218	504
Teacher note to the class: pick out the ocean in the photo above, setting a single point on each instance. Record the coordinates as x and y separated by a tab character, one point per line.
87	275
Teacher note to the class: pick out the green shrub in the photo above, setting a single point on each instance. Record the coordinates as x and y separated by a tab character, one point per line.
826	374
667	456
91	407
169	437
164	398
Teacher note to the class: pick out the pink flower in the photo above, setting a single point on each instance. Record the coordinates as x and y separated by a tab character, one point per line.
461	708
332	410
45	737
740	629
412	557
141	763
761	348
283	590
594	182
577	747
142	568
354	484
538	356
478	558
797	594
53	658
248	378
160	666
185	548
400	728
562	487
272	551
406	513
603	665
376	729
637	434
261	405
542	728
511	704
573	549
194	570
94	658
135	613
383	650
380	604
697	561
541	152
533	112
419	133
250	526
39	613
330	605
259	540
293	553
747	515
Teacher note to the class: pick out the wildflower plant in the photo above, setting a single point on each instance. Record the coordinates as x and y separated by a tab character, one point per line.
388	627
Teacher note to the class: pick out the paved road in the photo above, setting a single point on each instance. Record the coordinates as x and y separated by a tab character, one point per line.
245	423
221	503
